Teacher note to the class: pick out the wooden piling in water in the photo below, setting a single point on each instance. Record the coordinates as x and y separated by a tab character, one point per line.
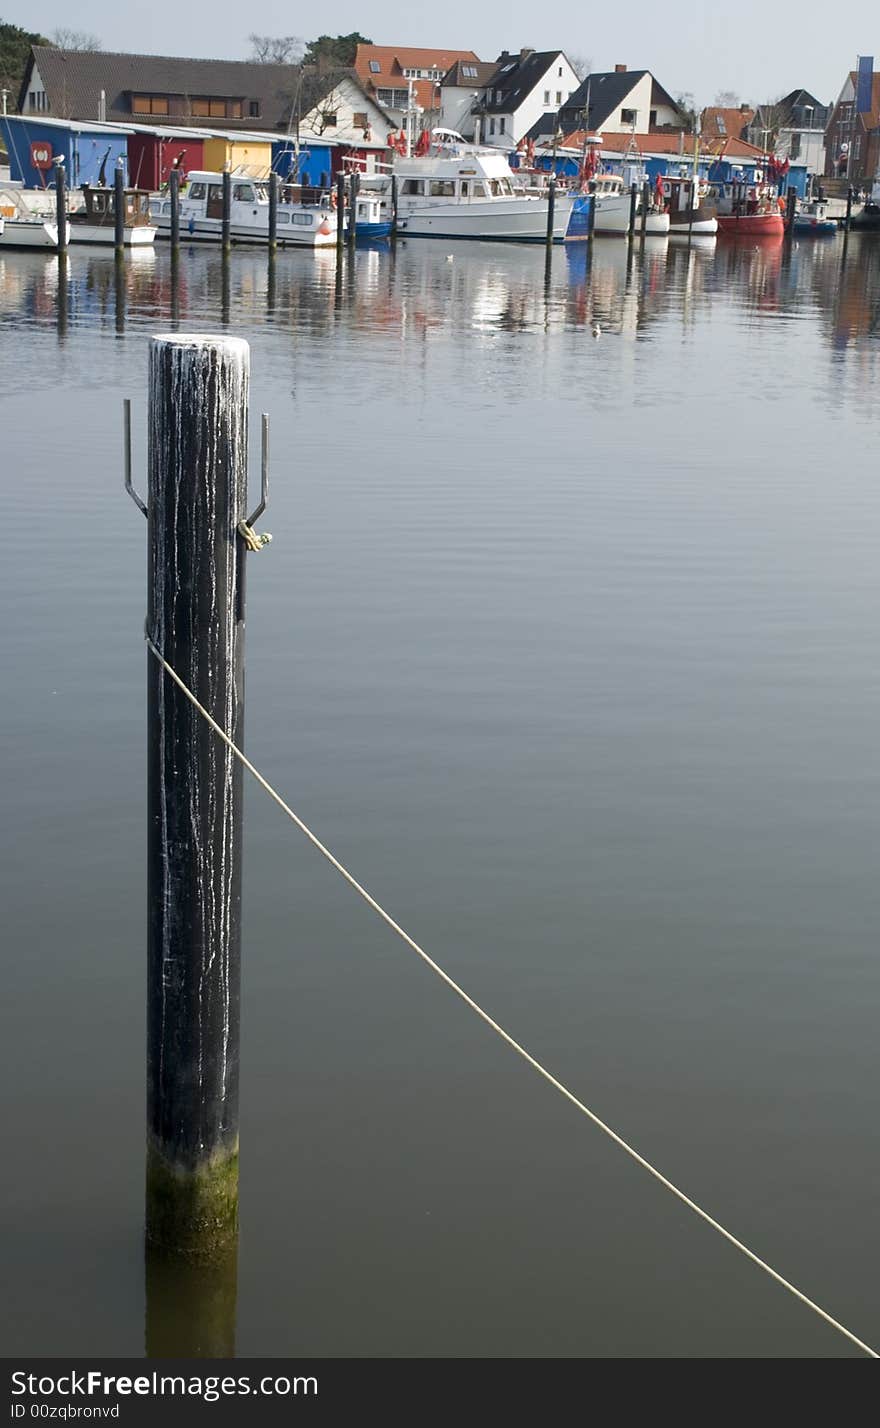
353	185
790	209
847	223
198	396
174	191
633	198
395	199
61	206
273	211
119	209
340	210
551	209
646	202
226	234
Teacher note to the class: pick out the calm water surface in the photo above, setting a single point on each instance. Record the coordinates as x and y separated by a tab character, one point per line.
568	647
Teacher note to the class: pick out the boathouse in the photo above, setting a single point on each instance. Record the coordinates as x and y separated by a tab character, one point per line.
89	151
153	151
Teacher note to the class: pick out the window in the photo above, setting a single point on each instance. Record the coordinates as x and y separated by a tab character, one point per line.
392	98
465	188
502	122
857	146
328	121
305	219
197	190
491	126
149	104
627	116
212	108
283	217
559	71
254	108
498	96
559	96
243	193
375	67
360	120
652	118
468	71
794	147
546	97
413	186
442	188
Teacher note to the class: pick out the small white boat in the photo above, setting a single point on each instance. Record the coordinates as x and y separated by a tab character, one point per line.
95	222
613	202
690	213
35	232
300	225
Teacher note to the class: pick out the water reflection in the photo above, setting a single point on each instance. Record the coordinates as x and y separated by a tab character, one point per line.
419	289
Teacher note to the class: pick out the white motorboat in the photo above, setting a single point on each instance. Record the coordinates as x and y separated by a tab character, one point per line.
459	190
300	225
690	212
613	201
36	232
95	222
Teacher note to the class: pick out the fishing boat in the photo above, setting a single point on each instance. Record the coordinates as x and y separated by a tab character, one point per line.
811	220
454	189
747	210
299	224
95	222
686	217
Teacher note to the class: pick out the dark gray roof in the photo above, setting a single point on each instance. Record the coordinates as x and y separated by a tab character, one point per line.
607	92
514	79
74	79
485	71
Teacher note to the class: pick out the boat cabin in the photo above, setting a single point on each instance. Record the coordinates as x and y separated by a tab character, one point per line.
99	207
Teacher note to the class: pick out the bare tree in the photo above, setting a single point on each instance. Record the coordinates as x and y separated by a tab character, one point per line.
75	40
727	99
581	64
276	49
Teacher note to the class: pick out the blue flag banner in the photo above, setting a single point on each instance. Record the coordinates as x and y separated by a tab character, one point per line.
865	84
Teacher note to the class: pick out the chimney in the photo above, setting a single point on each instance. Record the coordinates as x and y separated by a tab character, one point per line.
620	69
744	108
524	54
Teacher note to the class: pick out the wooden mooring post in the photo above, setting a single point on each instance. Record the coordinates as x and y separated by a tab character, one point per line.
551	209
60	206
119	209
197	493
395	201
273	211
790	210
633	200
226	224
646	204
340	210
353	186
174	192
847	222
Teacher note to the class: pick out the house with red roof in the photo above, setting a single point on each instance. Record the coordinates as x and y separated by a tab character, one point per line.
386	72
852	140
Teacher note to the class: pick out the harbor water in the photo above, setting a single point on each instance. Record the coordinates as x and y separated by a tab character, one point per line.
566	644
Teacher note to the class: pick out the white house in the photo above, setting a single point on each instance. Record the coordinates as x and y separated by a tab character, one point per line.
523	88
621	101
461	93
345	114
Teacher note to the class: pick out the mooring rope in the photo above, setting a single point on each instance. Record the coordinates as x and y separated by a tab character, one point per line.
499	1030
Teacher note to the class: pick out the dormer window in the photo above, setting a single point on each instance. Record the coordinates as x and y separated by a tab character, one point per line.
375	67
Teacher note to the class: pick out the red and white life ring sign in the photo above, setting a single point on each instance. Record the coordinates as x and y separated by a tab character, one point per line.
41	154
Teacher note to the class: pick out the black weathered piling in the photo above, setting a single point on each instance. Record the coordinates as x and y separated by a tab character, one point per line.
273	211
226	232
646	204
551	209
591	221
353	186
395	200
633	201
847	222
60	205
790	208
692	203
340	209
119	209
198	395
174	192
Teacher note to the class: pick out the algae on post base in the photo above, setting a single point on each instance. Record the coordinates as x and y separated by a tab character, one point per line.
192	1212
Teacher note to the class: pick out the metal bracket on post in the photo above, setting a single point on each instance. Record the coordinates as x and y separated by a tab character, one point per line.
126	408
252	539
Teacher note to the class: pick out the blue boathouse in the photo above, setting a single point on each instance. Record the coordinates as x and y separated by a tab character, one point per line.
89	151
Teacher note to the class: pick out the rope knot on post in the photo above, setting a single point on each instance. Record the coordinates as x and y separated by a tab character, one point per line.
254	540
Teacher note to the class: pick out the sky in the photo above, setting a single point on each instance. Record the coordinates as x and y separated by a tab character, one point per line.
758	50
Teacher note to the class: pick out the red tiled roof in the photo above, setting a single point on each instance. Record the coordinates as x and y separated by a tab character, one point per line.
732	122
663	144
394	59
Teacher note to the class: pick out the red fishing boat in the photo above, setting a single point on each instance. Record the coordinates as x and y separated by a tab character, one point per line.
748	210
